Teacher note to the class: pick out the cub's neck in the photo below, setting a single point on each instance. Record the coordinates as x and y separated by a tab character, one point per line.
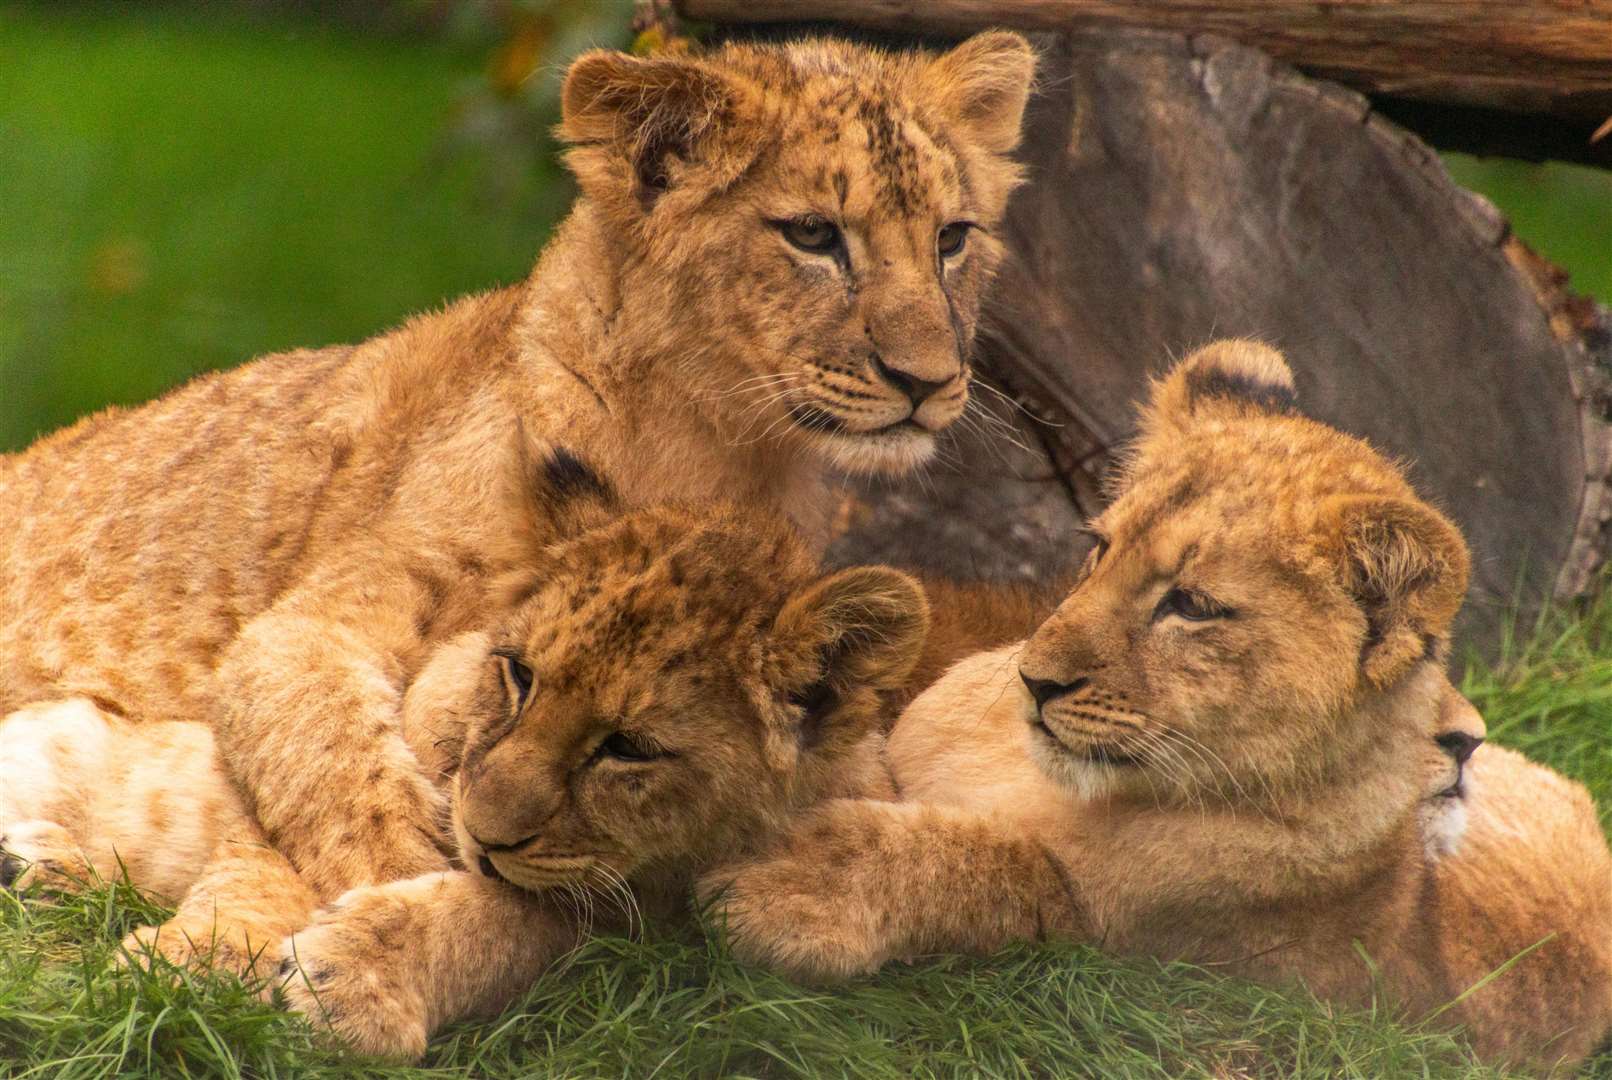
630	367
1358	797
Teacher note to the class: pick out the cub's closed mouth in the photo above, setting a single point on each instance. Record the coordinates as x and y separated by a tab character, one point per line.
813	418
1097	753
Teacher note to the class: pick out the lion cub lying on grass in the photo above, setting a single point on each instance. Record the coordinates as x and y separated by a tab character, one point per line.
665	688
1216	750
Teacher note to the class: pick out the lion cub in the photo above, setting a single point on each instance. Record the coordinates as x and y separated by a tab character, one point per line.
663	689
773	271
1216	750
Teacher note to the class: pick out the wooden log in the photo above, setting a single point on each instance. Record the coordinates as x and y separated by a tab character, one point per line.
1550	57
1189	188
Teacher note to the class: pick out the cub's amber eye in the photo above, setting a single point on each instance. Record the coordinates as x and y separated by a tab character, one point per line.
951	238
814	234
624	747
517	679
1189	605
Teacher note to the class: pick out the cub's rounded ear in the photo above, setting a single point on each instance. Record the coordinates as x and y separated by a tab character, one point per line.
1235	374
1406	566
983	84
555	493
634	121
837	646
867	624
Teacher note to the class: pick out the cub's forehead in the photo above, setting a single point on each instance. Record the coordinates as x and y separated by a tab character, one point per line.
660	610
1243	484
667	587
629	640
855	122
817	62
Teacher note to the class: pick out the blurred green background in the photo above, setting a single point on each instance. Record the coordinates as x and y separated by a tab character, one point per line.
185	187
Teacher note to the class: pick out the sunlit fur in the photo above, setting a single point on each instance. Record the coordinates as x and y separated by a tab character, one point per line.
1245	788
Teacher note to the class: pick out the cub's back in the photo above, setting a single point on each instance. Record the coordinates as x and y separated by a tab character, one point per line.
167	524
136	544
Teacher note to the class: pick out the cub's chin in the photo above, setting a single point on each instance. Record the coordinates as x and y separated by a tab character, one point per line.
889	451
1443	817
537	875
1443	820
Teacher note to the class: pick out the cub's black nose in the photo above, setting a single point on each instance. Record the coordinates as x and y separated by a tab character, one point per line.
917	390
1044	690
1459	745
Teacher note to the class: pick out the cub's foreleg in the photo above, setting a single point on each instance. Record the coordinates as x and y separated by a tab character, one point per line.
858	883
388	965
310	729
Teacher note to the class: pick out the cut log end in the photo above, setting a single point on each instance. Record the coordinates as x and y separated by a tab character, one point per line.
1187	189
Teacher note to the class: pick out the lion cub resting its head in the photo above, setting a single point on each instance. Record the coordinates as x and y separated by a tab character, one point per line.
658	692
670	685
1217	749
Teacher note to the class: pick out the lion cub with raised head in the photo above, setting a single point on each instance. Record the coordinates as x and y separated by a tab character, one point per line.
775	267
1217	749
664	688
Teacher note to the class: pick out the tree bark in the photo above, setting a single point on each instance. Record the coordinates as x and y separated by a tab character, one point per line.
1492	57
1185	189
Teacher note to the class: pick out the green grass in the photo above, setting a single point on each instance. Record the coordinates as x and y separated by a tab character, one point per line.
678	1008
180	193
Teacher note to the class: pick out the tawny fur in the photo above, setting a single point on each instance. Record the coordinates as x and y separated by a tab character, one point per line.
275	552
1236	776
971	617
704	634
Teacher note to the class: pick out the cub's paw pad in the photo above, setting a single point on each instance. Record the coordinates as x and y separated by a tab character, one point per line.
774	919
349	971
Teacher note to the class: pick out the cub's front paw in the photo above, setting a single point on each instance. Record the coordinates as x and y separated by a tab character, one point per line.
42	855
785	913
352	969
